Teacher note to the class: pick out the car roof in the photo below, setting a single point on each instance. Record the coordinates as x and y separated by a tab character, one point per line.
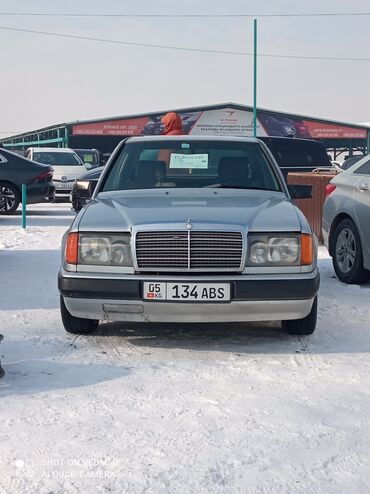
290	139
192	138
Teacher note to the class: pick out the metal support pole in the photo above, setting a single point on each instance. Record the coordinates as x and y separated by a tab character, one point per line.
2	372
66	143
24	208
255	78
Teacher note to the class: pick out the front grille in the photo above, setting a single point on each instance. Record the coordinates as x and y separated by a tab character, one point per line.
189	250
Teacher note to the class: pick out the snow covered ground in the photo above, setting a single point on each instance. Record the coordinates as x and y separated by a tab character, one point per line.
175	409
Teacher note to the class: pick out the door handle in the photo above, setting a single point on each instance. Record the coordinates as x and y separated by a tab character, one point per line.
362	187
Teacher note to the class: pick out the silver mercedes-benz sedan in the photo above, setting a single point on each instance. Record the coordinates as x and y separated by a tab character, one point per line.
189	229
346	222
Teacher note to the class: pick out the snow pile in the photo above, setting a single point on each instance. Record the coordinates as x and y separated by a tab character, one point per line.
177	408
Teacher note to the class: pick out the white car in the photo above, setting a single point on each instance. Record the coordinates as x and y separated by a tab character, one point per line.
66	163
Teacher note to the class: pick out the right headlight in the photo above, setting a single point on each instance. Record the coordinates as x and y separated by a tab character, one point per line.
279	250
106	250
99	249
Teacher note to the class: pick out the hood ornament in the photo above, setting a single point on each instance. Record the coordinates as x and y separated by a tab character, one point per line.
189	224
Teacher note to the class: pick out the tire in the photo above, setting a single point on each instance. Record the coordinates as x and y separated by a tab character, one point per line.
348	260
76	325
304	326
76	206
10	198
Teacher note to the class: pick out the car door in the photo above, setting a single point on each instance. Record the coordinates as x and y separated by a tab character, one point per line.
361	195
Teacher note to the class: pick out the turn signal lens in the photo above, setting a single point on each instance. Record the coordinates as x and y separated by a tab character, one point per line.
306	250
72	249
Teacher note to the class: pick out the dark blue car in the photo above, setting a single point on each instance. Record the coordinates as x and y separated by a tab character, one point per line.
15	171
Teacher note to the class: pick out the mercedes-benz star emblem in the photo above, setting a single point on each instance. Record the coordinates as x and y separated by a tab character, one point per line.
189	225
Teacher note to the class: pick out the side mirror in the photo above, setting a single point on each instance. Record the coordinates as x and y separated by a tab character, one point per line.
299	191
88	165
84	189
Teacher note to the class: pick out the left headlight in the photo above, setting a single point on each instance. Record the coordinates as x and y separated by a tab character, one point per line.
275	250
99	249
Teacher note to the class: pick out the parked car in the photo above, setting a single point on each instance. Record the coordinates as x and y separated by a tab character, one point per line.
351	161
298	155
77	202
66	163
16	170
91	157
346	222
205	232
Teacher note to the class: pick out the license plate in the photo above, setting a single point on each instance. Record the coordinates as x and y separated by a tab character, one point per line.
187	292
64	186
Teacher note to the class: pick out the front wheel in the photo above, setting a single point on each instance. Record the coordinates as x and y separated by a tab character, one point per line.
9	198
348	259
76	325
304	326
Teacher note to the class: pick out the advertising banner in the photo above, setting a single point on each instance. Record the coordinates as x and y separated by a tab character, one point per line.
123	127
225	121
319	130
283	126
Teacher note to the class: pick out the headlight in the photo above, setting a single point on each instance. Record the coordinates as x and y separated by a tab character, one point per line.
105	250
274	250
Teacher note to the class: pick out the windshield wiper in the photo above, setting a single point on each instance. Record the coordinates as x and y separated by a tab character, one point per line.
228	186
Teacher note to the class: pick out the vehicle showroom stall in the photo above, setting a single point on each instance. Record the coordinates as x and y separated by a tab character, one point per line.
341	139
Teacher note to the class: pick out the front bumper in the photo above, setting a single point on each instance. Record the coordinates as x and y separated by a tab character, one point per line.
253	298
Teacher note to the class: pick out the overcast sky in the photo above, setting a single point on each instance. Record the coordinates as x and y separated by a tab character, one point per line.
52	80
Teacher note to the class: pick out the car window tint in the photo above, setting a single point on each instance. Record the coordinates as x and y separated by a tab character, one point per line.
350	162
364	169
299	154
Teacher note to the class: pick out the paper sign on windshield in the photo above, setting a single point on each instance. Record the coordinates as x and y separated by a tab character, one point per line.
178	160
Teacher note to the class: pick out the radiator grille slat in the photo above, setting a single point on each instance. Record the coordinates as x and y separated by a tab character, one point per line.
187	251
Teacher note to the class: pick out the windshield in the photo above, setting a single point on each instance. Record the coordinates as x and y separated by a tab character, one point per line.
55	159
191	164
88	156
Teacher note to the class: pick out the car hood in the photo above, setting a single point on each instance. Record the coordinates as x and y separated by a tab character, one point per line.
70	172
262	211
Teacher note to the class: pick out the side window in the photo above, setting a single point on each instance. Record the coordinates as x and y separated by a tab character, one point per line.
3	159
364	169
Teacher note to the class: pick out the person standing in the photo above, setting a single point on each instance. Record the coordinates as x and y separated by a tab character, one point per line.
172	124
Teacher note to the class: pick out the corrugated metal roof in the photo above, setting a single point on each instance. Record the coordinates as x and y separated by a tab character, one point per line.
235	106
